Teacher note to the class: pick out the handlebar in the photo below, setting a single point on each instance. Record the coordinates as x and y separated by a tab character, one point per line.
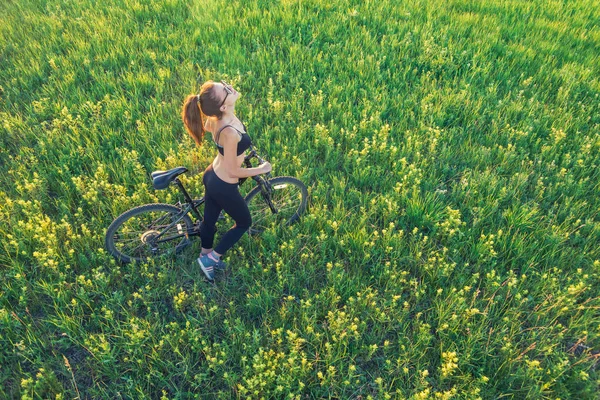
250	156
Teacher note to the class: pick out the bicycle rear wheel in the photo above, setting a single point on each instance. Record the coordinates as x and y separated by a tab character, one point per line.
289	198
151	230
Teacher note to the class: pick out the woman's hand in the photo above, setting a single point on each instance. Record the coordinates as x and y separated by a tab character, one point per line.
265	167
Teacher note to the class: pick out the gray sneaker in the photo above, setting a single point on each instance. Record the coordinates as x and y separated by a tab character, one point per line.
207	265
221	265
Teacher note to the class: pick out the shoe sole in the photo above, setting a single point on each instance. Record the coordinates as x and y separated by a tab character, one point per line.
206	271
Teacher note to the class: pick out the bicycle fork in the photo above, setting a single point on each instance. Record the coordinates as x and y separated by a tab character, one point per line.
265	190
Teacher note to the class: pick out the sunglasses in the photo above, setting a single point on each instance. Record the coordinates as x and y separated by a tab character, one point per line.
228	91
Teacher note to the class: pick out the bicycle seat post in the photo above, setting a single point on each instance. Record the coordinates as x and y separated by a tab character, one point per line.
187	197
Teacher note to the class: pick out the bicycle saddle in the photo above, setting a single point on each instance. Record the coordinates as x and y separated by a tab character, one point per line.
161	179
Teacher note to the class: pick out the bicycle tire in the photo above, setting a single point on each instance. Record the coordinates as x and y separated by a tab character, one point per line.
259	209
144	239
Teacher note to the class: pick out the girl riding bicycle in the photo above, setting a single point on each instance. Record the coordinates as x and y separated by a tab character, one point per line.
216	101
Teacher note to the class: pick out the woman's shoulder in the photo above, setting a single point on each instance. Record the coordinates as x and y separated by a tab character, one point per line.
226	133
230	128
229	132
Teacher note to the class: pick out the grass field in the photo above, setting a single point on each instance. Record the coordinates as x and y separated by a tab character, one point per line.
452	155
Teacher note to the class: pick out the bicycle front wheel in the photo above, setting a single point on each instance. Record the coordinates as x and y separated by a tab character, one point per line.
150	230
283	206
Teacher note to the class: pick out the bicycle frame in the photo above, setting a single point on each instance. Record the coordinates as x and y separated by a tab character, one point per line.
191	204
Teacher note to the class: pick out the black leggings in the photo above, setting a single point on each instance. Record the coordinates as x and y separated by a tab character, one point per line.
220	195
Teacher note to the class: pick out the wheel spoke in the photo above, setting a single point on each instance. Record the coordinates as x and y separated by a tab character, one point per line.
135	236
287	201
277	216
133	251
128	240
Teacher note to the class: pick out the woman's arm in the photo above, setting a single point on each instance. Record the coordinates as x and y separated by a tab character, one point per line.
230	154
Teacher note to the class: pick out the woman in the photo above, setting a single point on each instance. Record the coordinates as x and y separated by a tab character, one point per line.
221	178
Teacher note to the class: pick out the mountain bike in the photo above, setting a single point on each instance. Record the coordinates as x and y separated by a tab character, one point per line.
158	229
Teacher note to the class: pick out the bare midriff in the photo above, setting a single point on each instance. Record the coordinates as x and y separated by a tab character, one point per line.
218	165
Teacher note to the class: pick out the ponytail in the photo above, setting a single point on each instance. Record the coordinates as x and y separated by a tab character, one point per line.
192	118
197	105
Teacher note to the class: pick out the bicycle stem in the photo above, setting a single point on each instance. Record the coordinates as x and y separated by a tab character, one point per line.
247	159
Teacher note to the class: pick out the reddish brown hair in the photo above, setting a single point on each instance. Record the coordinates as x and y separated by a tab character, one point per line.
195	105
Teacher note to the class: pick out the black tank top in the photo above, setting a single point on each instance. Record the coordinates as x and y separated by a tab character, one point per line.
242	144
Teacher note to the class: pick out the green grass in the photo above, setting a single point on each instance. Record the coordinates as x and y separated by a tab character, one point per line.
451	151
